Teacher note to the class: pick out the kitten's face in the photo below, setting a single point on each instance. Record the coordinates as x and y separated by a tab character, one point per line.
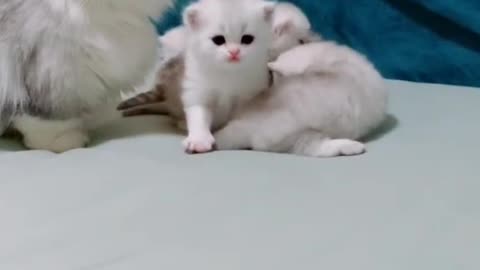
231	33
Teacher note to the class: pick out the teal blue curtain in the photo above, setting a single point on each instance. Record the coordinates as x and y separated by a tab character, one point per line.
435	41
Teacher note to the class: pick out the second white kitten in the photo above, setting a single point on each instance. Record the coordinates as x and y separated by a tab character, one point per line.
325	97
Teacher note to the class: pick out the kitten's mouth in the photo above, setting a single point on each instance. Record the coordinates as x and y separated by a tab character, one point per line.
234	59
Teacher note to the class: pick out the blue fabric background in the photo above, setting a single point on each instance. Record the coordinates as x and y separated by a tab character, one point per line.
434	41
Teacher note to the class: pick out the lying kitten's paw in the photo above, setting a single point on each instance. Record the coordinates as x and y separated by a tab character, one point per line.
199	143
339	147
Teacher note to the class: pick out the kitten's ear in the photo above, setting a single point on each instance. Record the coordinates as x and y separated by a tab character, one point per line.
268	9
283	28
191	17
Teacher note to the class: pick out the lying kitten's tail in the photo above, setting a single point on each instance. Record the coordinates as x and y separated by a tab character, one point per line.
13	95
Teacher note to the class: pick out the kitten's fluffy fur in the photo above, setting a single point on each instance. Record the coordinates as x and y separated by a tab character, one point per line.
290	26
61	60
325	97
219	77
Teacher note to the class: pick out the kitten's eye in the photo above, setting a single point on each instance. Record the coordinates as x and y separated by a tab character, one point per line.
219	40
301	41
247	39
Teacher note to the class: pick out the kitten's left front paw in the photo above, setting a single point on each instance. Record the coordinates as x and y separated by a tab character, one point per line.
199	143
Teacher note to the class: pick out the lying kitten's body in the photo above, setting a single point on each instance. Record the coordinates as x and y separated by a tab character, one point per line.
290	26
61	61
324	98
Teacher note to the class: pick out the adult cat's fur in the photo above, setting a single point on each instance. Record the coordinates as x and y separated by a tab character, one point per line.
225	63
324	97
61	60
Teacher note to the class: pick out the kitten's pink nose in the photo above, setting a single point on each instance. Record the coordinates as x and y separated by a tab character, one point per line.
234	52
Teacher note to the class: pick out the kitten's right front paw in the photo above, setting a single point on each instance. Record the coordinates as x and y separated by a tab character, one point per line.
199	143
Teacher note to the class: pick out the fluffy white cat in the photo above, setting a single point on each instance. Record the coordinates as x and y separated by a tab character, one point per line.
225	63
62	60
325	97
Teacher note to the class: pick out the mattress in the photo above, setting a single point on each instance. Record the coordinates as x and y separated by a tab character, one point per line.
134	200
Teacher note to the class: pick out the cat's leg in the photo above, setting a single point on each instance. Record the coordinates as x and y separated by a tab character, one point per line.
316	144
53	135
234	136
259	131
160	108
200	138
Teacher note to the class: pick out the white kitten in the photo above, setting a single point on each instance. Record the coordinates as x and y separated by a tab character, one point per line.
225	63
324	98
62	60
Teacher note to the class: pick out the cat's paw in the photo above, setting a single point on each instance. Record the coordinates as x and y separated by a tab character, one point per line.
69	140
340	147
58	143
199	143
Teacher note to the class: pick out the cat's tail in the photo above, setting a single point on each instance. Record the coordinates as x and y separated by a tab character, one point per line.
13	95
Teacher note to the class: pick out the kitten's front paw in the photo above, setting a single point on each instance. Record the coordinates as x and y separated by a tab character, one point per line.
199	143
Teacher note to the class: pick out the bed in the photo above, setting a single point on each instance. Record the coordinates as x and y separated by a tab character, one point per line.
134	200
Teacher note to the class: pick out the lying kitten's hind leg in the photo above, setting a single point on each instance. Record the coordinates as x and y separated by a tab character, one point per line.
232	137
316	144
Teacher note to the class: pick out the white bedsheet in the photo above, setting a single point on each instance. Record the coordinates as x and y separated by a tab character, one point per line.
135	201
